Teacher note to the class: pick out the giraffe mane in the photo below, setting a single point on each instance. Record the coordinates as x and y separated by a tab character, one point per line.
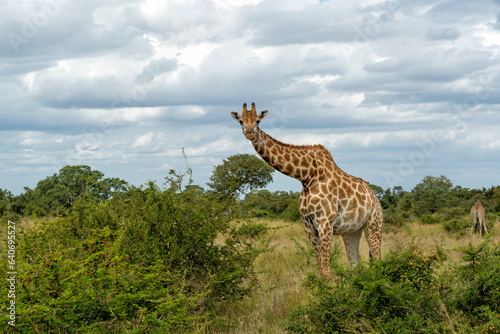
307	147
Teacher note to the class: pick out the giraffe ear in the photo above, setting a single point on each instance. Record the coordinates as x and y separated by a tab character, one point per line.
262	115
236	116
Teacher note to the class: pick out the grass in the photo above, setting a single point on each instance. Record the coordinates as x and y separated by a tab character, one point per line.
283	269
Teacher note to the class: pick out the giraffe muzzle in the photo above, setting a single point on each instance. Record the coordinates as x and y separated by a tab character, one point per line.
250	134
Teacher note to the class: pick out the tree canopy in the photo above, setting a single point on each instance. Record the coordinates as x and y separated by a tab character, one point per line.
61	190
240	173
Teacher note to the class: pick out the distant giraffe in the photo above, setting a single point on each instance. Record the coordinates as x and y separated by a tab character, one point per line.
331	201
477	214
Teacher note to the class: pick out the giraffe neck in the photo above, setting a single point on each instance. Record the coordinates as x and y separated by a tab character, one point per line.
300	162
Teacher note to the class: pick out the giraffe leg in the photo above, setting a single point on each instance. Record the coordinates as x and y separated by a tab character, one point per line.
473	216
482	224
351	243
313	235
485	229
373	234
325	232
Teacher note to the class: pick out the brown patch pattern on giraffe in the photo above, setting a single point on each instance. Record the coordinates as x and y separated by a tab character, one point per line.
477	214
331	201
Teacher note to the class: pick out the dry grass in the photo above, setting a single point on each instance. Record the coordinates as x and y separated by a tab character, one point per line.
280	289
282	271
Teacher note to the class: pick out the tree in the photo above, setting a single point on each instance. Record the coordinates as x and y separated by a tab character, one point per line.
379	192
64	188
240	173
430	194
5	199
109	187
61	190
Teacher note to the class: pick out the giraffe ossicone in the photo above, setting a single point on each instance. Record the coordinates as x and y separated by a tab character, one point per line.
477	214
331	201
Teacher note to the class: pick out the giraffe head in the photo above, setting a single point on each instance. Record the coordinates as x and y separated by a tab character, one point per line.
249	121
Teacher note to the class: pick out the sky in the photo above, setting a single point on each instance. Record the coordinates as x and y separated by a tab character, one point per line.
396	90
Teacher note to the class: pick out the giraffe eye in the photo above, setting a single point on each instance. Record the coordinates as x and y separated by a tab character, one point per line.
241	122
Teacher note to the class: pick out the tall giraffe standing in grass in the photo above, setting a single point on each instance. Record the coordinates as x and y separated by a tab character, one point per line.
331	201
477	215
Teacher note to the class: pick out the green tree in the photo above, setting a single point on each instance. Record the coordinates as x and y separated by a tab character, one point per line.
496	200
379	192
5	199
240	173
430	194
61	190
109	187
64	188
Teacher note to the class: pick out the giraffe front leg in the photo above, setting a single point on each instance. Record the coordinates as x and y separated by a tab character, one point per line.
325	232
313	236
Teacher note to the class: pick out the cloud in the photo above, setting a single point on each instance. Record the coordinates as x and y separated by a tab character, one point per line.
446	33
125	85
155	68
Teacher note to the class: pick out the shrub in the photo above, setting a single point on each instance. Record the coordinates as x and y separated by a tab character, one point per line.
478	288
389	296
457	225
393	219
428	219
264	214
455	212
152	260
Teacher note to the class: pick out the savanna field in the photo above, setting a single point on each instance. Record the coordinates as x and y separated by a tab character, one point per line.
176	258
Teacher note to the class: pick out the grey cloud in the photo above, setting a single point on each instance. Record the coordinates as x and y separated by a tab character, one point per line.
325	22
438	34
155	68
496	25
435	64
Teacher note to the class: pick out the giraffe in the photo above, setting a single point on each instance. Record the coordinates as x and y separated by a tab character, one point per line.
331	201
477	214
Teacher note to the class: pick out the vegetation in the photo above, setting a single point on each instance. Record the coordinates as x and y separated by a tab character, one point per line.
148	260
95	254
405	293
239	173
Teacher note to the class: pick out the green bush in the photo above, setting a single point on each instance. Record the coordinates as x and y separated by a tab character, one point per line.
393	219
457	225
266	204
450	213
398	294
152	260
405	293
430	219
478	289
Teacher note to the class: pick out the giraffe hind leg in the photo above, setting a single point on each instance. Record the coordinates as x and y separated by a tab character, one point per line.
373	234
351	243
483	225
473	229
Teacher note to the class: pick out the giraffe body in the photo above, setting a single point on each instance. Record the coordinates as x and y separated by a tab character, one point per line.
331	201
477	214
